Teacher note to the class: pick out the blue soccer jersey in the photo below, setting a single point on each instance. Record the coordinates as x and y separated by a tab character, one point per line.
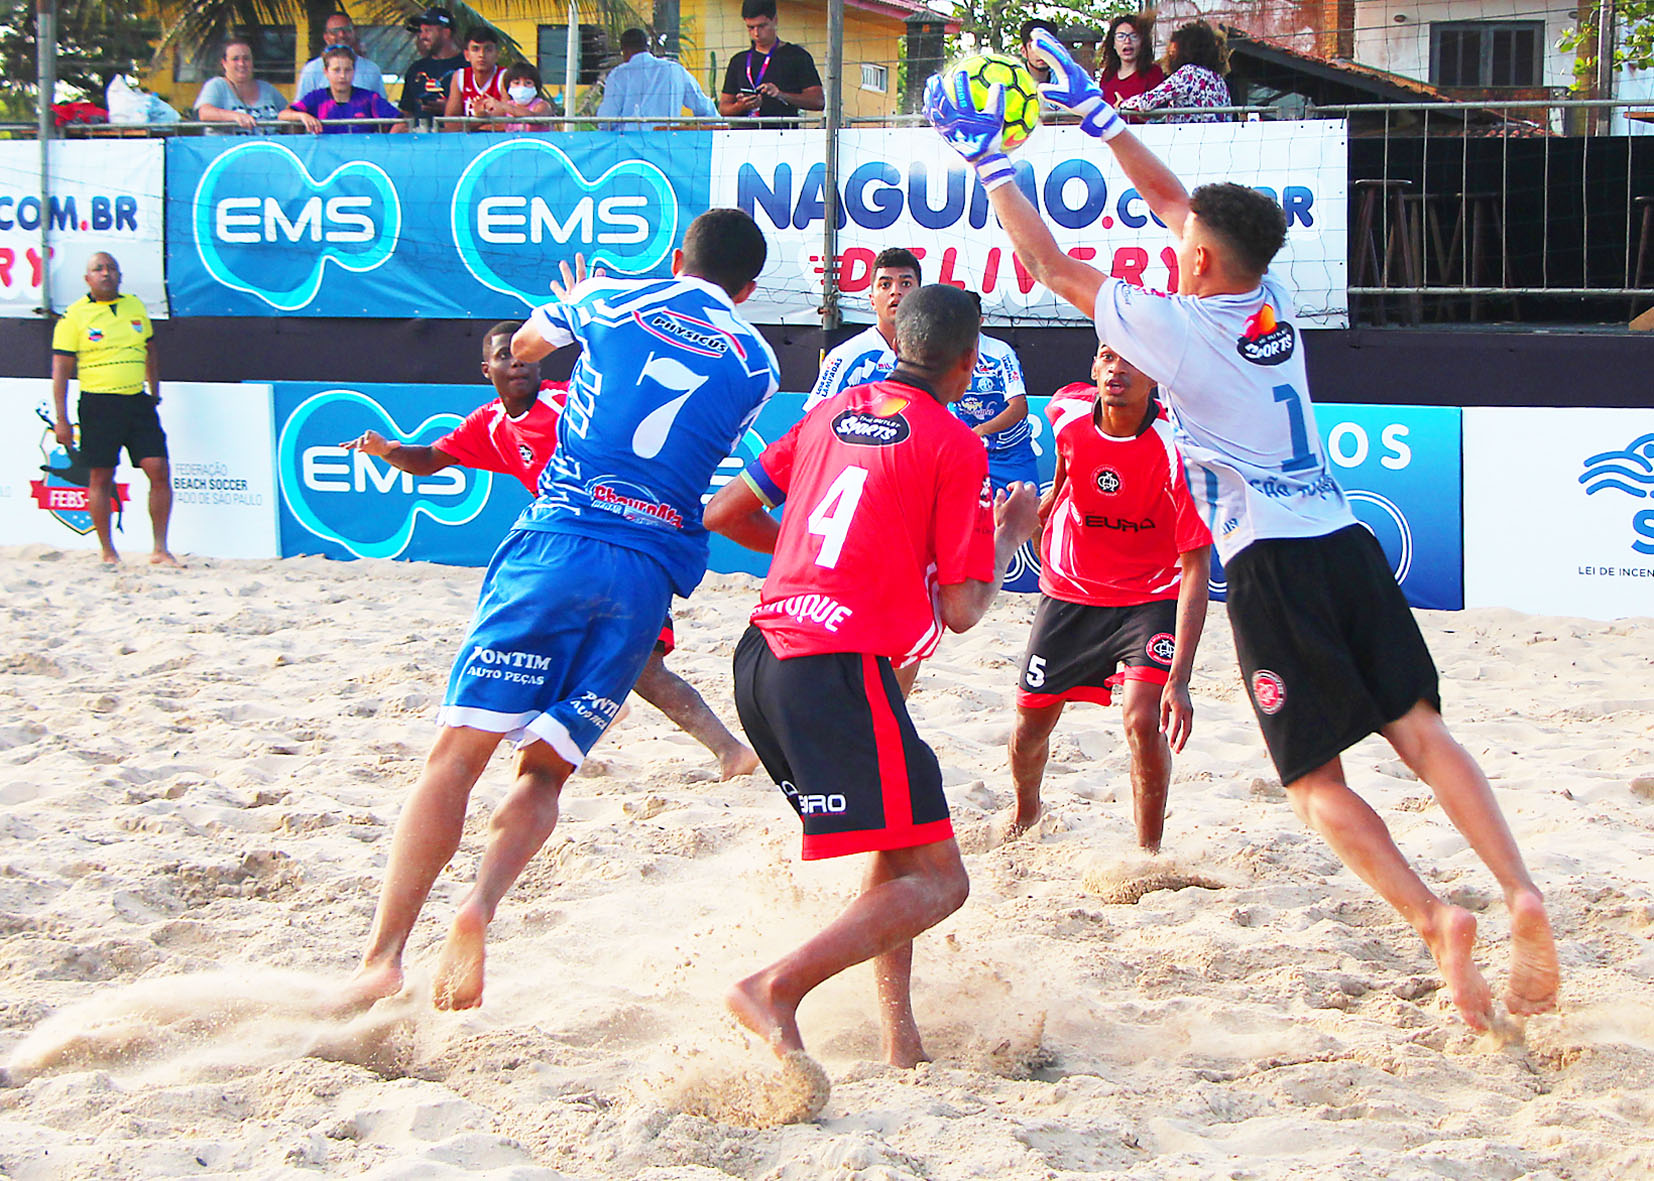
668	381
995	381
863	359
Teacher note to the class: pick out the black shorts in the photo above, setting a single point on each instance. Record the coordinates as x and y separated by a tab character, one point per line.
834	732
1078	652
109	422
1328	647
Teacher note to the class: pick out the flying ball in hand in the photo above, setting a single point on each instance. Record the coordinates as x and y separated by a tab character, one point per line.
986	70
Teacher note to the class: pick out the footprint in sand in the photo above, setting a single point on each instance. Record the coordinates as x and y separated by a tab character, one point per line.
1126	886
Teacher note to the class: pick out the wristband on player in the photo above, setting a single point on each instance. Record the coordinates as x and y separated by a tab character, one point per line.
994	170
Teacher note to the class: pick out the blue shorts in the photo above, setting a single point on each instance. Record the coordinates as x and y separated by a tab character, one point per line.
1010	466
563	627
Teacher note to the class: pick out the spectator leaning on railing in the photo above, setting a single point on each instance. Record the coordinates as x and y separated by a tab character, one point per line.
236	96
340	30
341	100
425	85
477	83
644	86
773	79
1198	60
524	96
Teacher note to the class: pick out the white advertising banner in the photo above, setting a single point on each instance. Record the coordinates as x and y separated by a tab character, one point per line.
104	195
905	187
222	447
1559	511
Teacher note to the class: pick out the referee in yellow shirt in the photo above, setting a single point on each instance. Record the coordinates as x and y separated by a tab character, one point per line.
105	338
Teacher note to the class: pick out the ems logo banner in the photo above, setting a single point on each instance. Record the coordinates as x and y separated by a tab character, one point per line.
346	504
444	226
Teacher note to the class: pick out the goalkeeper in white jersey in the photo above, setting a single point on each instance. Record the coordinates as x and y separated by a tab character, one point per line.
1328	648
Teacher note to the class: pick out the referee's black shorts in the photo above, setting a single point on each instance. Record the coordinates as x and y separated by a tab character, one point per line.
1328	647
109	422
834	732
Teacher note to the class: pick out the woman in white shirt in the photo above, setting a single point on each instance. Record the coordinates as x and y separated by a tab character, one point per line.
236	96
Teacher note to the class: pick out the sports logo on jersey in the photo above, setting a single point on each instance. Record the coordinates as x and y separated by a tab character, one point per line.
137	325
1266	341
1269	691
1108	481
687	332
94	334
1160	648
526	453
880	426
1631	471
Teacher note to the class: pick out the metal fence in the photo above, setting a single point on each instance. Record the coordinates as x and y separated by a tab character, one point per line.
1470	212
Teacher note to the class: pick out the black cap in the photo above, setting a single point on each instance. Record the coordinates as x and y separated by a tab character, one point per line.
431	16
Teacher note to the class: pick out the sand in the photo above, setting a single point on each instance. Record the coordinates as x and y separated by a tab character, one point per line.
199	771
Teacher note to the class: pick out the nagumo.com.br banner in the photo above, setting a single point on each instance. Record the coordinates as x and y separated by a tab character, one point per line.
474	226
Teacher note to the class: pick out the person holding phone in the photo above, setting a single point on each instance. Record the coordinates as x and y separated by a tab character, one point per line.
774	79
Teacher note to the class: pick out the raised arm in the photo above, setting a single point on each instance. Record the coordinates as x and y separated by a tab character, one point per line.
1016	519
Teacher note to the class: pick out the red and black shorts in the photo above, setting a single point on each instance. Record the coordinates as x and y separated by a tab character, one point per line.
109	422
1328	648
834	732
668	639
1079	652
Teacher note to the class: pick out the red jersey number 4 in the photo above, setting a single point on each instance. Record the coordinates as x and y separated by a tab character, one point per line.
830	519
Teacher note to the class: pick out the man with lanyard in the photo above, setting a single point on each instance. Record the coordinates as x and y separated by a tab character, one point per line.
774	79
425	85
515	435
104	339
1328	648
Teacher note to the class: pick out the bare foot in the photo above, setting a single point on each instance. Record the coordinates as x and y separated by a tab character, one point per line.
737	762
1452	940
111	558
755	1006
904	1049
162	557
458	982
372	982
1533	970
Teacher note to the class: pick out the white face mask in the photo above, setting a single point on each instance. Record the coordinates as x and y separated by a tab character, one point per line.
521	95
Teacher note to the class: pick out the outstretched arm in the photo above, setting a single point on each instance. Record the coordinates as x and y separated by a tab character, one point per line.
419	461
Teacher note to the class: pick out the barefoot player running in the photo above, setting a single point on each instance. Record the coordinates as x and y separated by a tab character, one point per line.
890	534
1328	649
669	379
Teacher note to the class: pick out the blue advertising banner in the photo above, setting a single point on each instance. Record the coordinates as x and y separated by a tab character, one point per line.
344	504
456	226
1401	470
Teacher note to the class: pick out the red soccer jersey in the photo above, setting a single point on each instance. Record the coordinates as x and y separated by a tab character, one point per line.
889	500
492	441
1124	515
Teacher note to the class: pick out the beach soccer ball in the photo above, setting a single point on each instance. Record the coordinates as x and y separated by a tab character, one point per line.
984	70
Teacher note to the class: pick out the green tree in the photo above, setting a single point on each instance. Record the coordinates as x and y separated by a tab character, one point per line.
1633	43
96	39
995	24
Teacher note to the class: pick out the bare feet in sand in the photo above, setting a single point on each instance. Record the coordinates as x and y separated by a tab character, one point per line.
1452	940
755	1006
162	557
372	982
903	1048
1533	969
458	982
735	763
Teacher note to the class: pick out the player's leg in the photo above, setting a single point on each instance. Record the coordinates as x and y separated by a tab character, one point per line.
906	675
426	838
915	888
1151	760
516	831
1030	751
1424	743
160	507
678	700
1359	837
100	488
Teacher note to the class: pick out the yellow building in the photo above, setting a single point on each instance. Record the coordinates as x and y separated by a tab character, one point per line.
711	33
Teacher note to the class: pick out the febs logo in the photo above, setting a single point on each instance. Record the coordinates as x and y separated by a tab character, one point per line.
62	488
1630	471
510	234
355	500
265	226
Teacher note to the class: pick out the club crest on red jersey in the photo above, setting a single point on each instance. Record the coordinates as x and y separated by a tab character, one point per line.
1268	691
1108	481
1266	341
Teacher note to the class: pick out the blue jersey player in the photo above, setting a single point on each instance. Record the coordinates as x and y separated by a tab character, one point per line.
669	379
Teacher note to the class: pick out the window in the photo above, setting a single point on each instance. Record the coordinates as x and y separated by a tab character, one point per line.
1486	53
552	54
274	49
875	77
